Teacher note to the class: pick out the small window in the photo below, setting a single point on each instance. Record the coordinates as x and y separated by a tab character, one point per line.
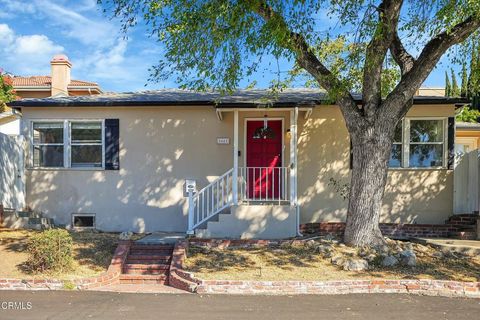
48	144
86	144
83	220
396	154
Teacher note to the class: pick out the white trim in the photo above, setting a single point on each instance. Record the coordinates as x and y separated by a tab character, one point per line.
235	158
263	109
66	144
219	114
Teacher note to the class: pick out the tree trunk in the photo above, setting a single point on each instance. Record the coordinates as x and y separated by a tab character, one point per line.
371	151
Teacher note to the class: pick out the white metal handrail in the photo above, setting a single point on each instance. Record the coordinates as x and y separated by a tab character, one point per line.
255	184
211	200
264	184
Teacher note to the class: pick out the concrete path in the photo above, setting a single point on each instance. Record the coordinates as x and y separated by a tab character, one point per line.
162	238
471	247
116	306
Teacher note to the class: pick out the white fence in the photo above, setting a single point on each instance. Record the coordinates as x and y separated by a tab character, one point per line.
12	184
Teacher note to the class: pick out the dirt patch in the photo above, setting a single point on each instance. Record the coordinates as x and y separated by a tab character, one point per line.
308	263
92	254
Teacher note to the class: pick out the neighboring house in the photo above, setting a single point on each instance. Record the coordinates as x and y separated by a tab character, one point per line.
58	83
128	161
431	92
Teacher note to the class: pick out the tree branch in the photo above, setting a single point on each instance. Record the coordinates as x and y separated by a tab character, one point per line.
308	60
389	13
400	55
421	68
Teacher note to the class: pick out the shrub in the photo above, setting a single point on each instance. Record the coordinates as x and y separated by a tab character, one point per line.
50	250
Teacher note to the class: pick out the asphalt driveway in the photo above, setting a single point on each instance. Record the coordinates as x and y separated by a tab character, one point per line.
106	305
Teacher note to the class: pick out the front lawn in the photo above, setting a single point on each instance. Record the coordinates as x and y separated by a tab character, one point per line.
313	262
93	252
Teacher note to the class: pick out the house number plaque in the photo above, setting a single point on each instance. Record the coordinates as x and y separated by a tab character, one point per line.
223	140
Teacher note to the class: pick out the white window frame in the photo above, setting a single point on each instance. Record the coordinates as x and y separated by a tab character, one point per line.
406	143
33	144
67	145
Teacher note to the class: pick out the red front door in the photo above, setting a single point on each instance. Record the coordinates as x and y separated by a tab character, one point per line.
264	160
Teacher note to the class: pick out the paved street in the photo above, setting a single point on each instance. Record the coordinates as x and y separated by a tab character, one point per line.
105	305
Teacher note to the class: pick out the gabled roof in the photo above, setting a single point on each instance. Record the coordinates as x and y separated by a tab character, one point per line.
178	97
46	81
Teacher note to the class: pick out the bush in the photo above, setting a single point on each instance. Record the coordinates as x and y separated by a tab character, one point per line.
50	250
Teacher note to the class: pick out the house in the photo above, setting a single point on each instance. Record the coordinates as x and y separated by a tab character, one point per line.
247	165
59	82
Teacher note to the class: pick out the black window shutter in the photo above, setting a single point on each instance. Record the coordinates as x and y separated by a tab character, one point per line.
112	144
451	142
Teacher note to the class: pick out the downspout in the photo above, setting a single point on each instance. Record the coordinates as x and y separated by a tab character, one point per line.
297	207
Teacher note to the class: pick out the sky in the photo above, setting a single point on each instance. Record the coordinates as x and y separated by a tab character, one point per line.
32	32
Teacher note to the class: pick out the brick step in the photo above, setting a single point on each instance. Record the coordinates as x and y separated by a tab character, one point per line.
467	219
152	247
152	250
465	215
466	228
463	235
458	222
138	252
139	268
148	259
143	279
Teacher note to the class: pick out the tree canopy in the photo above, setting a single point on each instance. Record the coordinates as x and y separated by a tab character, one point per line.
384	49
216	43
7	93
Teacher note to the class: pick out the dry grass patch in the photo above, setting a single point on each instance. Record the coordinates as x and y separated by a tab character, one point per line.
306	262
92	254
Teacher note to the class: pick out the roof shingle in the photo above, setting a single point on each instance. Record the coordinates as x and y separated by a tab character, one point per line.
177	97
46	81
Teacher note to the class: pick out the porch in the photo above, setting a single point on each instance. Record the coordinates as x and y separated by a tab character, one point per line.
257	197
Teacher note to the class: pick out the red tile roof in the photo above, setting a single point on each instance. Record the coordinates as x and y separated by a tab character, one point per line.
46	81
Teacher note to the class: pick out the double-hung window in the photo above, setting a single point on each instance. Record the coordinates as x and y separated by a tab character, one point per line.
86	144
68	144
48	144
420	143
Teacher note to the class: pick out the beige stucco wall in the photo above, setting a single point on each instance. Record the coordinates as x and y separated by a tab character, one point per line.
161	147
253	222
411	195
